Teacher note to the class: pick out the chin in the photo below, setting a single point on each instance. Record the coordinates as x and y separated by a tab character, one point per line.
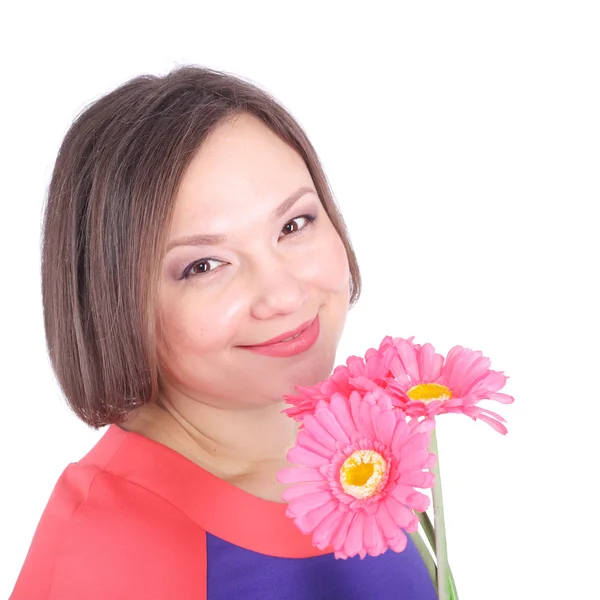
315	370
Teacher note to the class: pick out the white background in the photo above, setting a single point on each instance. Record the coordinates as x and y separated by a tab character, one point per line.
462	141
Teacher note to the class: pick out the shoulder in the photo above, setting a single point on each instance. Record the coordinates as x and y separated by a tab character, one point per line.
119	511
102	536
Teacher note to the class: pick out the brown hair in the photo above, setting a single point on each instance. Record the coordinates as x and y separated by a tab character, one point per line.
106	221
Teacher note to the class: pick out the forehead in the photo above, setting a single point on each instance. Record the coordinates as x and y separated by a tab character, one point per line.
241	165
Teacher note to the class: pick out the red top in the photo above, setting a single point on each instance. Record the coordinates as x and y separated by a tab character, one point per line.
134	510
134	519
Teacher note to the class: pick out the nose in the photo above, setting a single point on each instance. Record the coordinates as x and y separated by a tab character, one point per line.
277	289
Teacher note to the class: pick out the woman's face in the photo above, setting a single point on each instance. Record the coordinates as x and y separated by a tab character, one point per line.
270	267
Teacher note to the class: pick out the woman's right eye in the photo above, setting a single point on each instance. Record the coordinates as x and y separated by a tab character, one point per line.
199	267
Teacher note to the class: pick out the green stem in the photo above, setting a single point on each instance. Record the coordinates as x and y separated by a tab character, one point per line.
426	556
441	551
453	590
429	530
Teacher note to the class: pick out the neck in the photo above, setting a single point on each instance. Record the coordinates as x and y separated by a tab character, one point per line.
233	443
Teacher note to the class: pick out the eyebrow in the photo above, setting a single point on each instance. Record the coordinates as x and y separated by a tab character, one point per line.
213	239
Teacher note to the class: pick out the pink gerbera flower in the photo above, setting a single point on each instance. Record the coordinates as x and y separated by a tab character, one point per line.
374	371
417	379
426	385
360	461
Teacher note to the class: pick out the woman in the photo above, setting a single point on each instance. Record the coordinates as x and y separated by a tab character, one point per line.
195	269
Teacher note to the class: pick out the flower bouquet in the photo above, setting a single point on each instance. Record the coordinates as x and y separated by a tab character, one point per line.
368	440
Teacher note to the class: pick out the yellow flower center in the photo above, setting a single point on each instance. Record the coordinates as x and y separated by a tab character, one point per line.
363	474
426	392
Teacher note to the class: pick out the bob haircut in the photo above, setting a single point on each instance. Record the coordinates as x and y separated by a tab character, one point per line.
107	217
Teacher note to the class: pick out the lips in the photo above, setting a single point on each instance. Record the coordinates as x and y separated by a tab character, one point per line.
284	336
300	343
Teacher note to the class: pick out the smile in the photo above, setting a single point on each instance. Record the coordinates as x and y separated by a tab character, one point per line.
289	345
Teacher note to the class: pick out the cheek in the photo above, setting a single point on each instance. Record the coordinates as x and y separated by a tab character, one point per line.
192	326
333	270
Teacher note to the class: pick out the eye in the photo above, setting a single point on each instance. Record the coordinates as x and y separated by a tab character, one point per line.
200	267
292	227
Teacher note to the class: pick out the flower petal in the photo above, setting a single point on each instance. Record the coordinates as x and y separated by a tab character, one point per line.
452	358
326	529
476	369
355	365
490	383
388	526
414	454
402	492
300	456
304	489
420	479
308	442
399	544
407	353
318	432
372	537
355	538
429	363
487	416
326	418
365	416
425	426
458	365
489	413
494	424
340	536
384	425
503	398
355	402
307	522
341	411
363	383
403	516
418	458
299	506
418	501
401	434
431	461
